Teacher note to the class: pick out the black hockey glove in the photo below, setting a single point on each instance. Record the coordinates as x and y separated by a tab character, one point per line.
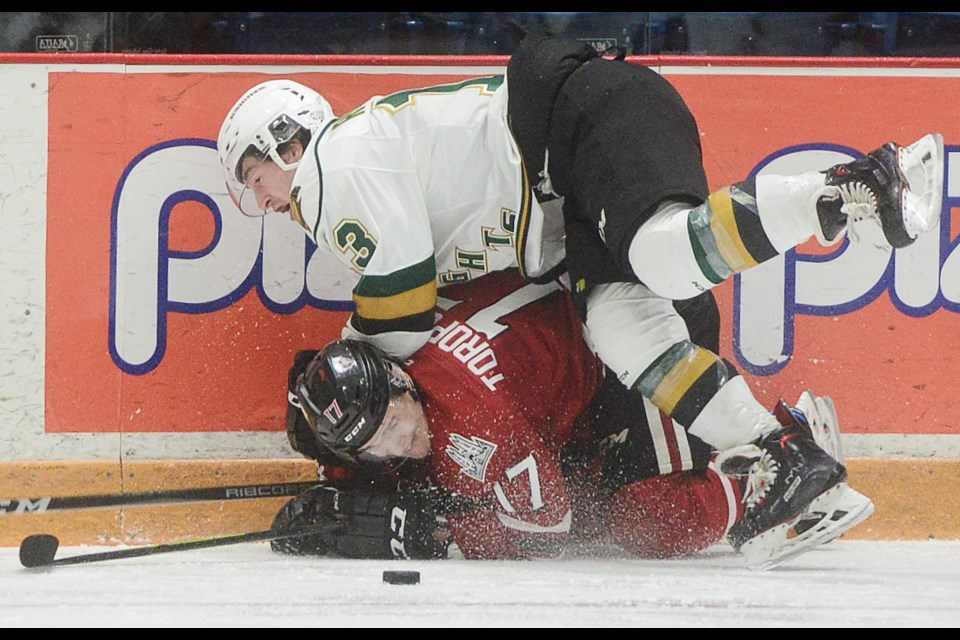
387	522
312	507
378	521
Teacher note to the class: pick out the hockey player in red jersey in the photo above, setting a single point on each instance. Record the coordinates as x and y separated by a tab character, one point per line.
505	425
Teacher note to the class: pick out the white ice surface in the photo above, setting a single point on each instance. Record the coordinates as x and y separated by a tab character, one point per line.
845	583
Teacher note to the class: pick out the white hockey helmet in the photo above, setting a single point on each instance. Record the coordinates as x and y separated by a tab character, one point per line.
264	118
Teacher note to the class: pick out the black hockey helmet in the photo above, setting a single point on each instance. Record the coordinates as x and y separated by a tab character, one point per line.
344	393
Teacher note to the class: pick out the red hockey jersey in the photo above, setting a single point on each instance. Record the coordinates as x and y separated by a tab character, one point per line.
503	377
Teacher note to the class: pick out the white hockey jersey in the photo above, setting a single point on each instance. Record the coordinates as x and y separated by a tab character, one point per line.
417	190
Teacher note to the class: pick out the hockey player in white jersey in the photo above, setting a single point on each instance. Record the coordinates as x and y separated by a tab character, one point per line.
441	184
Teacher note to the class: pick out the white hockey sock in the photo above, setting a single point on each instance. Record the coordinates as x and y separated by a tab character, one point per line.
662	257
682	251
787	206
733	417
629	327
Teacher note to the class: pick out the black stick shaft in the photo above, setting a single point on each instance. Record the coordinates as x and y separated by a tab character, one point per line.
172	547
172	496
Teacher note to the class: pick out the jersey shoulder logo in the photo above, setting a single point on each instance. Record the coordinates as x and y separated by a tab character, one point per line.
472	455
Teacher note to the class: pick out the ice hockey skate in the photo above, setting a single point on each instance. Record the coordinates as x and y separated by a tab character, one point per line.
796	496
819	415
900	188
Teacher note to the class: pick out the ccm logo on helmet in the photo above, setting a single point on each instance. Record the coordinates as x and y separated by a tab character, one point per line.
355	430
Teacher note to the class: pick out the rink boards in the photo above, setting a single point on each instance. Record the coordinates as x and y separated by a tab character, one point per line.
147	327
915	500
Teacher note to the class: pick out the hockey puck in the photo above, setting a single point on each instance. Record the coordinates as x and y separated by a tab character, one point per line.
401	577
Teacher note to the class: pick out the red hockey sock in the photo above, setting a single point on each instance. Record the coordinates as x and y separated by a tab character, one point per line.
673	515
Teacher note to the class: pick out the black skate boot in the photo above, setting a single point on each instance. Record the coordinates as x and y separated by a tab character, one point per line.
899	187
818	414
786	477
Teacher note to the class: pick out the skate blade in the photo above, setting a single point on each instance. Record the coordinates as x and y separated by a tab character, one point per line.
847	509
922	163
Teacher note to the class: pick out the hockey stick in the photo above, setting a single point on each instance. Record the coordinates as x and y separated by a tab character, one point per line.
40	550
201	494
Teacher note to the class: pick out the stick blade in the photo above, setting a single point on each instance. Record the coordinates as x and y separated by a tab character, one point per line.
38	550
